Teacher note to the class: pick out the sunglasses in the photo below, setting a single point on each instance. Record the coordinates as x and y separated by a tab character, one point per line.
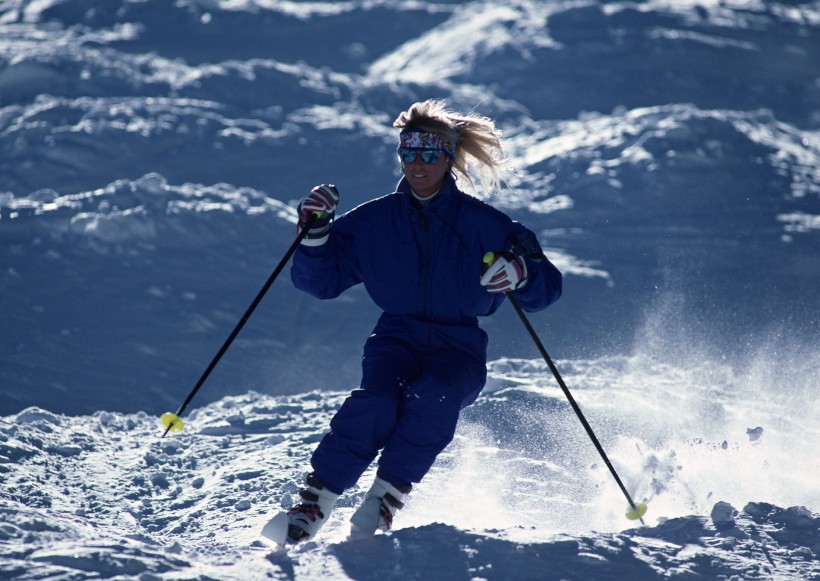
428	156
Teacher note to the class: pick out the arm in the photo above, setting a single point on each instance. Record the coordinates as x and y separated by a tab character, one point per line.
325	264
525	270
328	270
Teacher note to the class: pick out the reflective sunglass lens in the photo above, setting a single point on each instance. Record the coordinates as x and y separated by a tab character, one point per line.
430	155
427	155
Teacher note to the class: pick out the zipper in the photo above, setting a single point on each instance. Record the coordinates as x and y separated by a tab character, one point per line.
424	255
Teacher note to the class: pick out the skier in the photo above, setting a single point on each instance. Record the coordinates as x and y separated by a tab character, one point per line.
420	253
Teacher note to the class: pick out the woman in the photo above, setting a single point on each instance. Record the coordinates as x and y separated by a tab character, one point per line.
419	252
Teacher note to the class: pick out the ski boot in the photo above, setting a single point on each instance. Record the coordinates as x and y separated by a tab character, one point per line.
307	517
376	512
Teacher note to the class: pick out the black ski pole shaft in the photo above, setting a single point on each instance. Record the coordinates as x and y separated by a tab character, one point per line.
302	233
572	402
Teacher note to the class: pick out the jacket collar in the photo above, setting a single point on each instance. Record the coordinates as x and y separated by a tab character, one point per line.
445	193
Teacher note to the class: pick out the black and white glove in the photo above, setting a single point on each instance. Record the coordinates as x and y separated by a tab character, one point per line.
505	272
321	202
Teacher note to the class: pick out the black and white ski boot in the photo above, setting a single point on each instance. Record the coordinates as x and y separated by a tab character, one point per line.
303	521
307	517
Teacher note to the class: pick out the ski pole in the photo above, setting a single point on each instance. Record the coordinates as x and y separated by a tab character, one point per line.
173	421
636	511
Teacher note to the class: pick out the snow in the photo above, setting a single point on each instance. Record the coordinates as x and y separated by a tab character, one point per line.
667	155
103	495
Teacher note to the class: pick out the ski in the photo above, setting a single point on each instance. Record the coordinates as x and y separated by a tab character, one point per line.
276	529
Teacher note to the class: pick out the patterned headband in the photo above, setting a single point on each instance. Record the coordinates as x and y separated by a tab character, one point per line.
421	139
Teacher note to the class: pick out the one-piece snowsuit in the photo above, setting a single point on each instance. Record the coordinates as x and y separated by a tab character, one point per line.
426	358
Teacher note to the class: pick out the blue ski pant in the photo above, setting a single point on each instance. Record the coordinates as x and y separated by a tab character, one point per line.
407	407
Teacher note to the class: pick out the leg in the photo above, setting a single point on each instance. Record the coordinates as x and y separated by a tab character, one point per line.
429	415
368	416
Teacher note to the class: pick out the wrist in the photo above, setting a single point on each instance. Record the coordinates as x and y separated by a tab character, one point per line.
318	229
317	235
524	273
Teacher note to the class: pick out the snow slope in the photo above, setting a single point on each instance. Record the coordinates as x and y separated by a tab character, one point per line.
101	496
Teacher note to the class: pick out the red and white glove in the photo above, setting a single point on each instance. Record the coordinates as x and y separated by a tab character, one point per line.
507	272
321	202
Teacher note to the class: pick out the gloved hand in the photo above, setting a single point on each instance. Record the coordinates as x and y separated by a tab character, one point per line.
506	272
321	202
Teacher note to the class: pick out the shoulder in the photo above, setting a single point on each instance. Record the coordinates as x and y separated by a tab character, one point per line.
481	210
376	205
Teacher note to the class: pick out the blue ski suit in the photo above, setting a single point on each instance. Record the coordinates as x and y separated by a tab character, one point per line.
426	357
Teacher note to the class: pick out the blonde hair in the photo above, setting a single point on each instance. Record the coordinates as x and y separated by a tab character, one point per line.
476	138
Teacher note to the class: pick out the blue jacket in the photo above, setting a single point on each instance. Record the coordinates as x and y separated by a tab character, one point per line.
424	262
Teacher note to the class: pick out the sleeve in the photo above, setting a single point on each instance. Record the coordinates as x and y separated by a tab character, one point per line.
544	281
328	270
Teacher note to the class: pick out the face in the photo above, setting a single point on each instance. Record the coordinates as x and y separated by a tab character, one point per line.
426	178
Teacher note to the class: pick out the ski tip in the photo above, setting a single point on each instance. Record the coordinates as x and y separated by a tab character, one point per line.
359	534
276	530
